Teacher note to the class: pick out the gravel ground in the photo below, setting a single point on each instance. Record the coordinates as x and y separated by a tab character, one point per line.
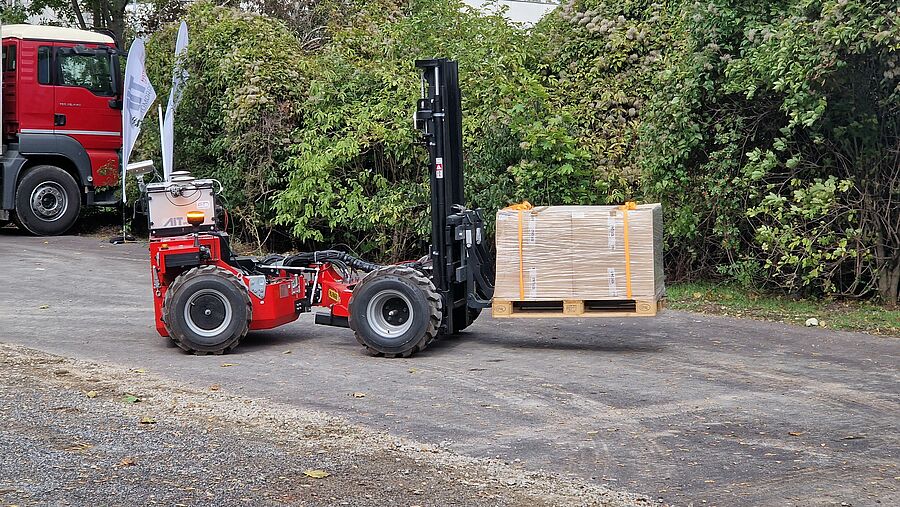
83	433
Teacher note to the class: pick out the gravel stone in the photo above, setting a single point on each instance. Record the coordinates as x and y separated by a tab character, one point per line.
62	447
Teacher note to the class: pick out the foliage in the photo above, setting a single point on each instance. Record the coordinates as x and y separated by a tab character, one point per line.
107	14
838	155
357	168
239	108
785	119
600	64
10	14
306	19
769	130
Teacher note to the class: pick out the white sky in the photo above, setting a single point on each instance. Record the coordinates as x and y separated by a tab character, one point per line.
520	11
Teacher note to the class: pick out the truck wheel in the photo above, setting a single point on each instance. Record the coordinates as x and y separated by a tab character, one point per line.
395	311
207	310
47	201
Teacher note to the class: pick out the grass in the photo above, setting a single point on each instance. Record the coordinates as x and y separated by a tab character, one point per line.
736	302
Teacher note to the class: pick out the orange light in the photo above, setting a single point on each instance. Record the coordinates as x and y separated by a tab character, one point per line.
196	218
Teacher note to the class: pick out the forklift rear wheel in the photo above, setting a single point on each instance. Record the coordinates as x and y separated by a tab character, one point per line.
207	310
395	311
47	201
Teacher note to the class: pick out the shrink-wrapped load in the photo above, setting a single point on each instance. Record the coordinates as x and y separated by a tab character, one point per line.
579	253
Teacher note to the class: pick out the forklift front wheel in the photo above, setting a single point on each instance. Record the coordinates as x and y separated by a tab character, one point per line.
207	310
395	311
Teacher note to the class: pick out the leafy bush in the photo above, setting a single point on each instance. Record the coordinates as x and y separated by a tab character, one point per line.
239	110
358	177
769	130
773	138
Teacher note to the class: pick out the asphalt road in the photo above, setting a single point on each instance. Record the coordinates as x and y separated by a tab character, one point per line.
683	407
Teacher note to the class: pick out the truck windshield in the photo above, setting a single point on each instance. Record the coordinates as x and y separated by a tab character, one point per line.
87	71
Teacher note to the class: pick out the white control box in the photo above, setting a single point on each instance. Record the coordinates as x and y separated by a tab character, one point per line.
169	203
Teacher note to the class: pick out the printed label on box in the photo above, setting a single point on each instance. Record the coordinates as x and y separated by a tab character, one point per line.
532	284
611	232
532	230
613	288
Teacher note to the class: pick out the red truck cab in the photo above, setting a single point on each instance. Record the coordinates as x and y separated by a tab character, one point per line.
61	125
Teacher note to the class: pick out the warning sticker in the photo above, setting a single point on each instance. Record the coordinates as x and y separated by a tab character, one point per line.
439	168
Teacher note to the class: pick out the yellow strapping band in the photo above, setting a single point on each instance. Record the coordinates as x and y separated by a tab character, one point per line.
524	205
625	207
521	264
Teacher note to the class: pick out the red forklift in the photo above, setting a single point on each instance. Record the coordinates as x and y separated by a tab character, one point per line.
61	125
207	298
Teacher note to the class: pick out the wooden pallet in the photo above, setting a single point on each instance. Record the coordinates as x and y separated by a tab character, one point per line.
577	308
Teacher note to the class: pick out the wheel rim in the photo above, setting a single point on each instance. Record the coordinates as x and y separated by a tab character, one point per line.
390	313
207	313
49	201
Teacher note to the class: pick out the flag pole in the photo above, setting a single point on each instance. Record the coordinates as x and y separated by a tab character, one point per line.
137	98
162	130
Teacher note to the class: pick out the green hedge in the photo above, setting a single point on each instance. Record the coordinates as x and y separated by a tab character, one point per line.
769	130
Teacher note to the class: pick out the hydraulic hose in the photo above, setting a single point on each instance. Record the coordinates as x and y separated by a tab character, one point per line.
307	258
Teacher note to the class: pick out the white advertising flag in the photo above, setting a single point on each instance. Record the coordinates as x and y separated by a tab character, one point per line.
139	95
179	77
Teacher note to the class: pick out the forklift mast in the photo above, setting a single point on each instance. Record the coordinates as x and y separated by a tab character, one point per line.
462	270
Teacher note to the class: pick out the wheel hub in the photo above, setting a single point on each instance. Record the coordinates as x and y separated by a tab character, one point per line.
389	313
48	201
395	311
207	313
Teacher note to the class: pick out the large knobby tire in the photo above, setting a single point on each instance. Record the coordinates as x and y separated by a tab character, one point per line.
47	201
207	310
395	311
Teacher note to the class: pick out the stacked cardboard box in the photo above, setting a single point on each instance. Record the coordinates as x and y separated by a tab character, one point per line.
557	253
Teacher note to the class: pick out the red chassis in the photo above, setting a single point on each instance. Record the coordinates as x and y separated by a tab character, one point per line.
196	264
